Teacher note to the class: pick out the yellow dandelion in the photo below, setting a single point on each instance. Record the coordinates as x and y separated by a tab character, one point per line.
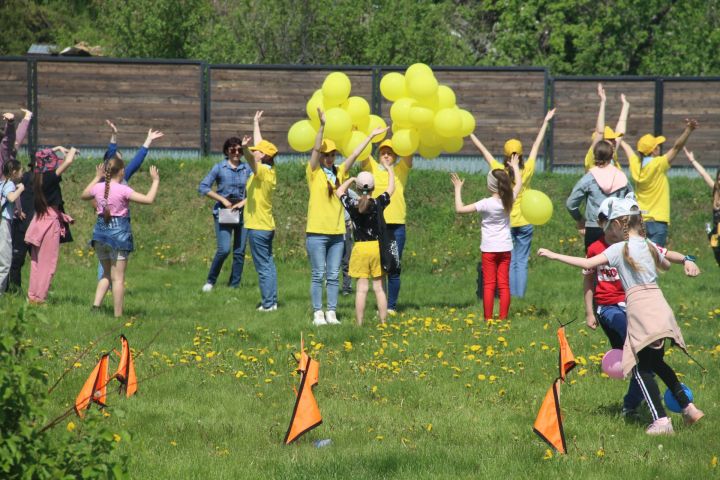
70	426
116	437
548	454
428	427
600	452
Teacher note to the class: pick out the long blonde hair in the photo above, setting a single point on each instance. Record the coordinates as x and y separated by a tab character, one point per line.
635	222
112	168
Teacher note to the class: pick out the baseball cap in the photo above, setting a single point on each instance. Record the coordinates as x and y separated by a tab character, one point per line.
365	182
647	143
513	146
327	146
612	207
386	143
265	147
610	134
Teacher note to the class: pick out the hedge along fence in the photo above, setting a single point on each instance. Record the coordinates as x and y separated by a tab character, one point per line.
198	105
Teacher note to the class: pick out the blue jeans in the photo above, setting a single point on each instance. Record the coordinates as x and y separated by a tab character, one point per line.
224	234
325	253
613	320
522	238
261	249
394	278
657	232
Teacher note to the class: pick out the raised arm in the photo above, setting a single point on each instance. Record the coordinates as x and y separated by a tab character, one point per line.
113	133
699	168
257	138
541	134
350	160
249	156
315	155
486	153
67	161
581	262
99	175
142	152
391	176
600	122
342	189
515	164
22	129
621	126
149	197
8	140
460	207
690	125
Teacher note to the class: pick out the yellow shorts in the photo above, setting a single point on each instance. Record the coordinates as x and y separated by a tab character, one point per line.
365	260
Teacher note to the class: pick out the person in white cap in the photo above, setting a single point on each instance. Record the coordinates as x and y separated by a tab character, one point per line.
650	320
365	258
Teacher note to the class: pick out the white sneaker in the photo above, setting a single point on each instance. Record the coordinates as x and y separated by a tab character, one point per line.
319	318
661	426
268	309
330	318
207	287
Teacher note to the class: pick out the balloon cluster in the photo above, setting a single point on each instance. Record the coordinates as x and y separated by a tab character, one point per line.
425	118
347	119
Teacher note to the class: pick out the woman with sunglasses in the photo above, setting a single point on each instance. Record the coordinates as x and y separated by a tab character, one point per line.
325	221
231	176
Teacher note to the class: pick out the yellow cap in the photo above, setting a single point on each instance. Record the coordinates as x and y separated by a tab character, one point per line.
327	146
610	134
513	146
265	147
647	143
386	143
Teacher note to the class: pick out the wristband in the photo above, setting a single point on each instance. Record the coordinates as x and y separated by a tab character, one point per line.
689	258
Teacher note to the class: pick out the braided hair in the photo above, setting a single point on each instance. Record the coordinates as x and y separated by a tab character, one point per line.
112	167
635	222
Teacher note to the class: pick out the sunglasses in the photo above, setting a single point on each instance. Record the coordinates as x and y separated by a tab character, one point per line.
235	149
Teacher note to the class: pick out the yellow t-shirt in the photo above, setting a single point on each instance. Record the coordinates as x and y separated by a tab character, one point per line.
526	174
396	212
590	159
260	189
325	213
652	187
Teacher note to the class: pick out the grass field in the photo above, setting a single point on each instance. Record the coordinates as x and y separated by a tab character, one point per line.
436	393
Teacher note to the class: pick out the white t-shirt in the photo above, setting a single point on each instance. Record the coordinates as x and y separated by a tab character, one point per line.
639	251
495	226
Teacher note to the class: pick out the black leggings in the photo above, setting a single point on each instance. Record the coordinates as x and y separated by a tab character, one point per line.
651	360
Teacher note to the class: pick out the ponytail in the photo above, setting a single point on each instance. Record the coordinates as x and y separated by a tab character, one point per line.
331	188
364	203
635	222
505	189
112	168
41	206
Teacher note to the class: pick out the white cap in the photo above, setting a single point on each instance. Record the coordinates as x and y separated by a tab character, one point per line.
612	208
365	182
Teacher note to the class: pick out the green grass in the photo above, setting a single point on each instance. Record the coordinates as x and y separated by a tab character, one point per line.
405	401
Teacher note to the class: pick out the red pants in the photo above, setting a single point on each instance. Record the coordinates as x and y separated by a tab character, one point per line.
496	273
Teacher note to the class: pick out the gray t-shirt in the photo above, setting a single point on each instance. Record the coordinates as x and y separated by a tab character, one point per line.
639	251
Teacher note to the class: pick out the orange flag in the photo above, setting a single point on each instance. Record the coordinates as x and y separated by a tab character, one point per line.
95	388
306	414
567	359
126	368
548	424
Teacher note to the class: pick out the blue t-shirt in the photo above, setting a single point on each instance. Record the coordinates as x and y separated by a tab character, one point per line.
7	187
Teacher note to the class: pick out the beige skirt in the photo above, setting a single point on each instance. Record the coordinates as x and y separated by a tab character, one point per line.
650	320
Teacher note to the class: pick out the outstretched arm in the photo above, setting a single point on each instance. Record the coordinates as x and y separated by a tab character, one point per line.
142	152
700	169
460	207
249	156
22	129
541	134
690	267
257	138
391	176
149	197
581	262
315	155
621	126
486	153
67	161
690	125
340	191
350	160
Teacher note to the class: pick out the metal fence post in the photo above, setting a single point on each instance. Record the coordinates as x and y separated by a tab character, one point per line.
376	98
550	136
204	109
659	104
32	136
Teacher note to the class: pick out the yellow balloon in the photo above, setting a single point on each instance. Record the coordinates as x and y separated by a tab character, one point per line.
405	142
452	145
430	138
430	102
421	116
536	207
400	111
428	152
468	123
359	111
354	140
446	97
337	124
418	70
301	136
392	86
336	88
373	123
448	122
421	85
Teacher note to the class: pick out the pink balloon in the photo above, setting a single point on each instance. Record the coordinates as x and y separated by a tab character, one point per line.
612	363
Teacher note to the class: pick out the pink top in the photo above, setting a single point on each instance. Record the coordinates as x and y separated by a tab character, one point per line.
495	226
118	198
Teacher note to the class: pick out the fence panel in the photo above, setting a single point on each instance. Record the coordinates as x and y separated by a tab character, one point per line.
237	92
506	104
577	105
697	99
13	85
75	98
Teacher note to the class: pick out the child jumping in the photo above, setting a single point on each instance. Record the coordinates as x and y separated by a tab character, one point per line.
365	257
496	245
650	319
112	237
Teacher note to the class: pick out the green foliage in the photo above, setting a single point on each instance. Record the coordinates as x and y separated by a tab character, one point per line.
26	451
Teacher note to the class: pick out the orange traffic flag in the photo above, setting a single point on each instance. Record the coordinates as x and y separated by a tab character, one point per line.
95	388
306	414
126	368
567	359
548	424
